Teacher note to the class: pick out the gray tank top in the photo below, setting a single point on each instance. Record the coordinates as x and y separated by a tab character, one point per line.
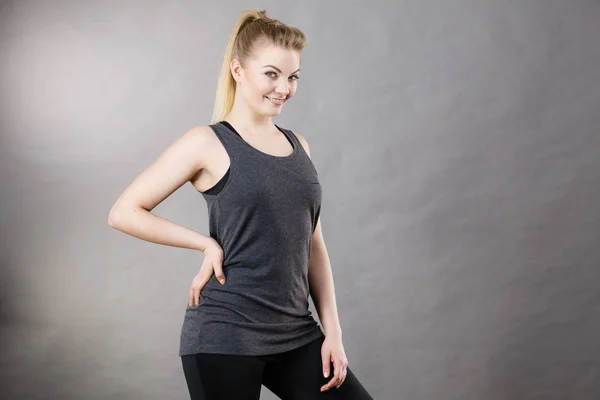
264	218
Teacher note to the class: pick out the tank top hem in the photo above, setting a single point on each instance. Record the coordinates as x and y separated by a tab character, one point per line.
245	351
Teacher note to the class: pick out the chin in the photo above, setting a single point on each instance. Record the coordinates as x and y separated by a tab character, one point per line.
272	113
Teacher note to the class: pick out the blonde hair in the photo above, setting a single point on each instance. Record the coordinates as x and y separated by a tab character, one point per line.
252	27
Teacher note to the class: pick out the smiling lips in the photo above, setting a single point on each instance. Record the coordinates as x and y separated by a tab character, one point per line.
275	100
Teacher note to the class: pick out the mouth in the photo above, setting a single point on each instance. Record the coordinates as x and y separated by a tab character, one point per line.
275	100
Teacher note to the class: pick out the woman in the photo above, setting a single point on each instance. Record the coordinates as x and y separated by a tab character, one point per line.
247	322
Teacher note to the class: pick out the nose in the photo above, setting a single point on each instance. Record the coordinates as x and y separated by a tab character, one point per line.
283	88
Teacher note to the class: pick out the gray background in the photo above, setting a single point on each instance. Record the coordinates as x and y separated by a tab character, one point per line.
459	150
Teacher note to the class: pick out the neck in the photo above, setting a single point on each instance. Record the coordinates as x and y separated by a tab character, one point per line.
249	121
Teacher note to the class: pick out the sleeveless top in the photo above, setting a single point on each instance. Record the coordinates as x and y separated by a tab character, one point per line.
263	215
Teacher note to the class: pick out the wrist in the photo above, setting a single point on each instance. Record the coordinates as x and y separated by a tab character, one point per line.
206	243
337	332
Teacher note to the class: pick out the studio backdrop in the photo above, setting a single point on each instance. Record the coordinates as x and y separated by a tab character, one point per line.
458	148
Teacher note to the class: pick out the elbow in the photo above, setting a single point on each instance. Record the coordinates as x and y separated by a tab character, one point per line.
121	216
116	216
113	218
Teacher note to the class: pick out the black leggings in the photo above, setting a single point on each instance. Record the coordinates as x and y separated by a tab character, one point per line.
292	375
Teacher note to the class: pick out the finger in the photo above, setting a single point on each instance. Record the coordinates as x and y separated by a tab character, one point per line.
337	366
333	382
192	296
198	288
197	297
325	361
338	375
343	378
339	371
218	268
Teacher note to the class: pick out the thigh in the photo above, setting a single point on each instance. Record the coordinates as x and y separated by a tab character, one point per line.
299	376
222	376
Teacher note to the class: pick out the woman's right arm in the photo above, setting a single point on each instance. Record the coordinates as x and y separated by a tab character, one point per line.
177	165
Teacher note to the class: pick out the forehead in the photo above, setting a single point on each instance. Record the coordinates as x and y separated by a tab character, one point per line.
269	54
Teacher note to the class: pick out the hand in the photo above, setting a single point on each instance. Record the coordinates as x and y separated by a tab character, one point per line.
213	262
332	350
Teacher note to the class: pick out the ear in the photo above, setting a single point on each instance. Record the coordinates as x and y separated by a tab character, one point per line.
236	70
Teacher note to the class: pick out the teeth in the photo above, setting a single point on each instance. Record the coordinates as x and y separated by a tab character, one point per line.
279	101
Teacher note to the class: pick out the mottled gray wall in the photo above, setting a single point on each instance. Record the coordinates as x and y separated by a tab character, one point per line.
458	144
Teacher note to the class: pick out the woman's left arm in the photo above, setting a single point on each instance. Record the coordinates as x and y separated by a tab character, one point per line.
322	291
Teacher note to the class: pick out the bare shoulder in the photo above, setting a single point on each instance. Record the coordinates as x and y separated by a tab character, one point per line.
200	140
199	135
303	142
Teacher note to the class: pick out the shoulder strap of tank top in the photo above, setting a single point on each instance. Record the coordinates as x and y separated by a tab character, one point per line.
227	138
293	137
234	145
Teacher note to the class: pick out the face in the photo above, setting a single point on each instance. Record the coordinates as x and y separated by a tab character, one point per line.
269	80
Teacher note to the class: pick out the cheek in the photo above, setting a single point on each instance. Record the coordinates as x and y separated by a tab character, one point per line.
254	87
263	87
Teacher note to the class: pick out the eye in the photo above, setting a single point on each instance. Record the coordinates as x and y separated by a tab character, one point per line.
275	73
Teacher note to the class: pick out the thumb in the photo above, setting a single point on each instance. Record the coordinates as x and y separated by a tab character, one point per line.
219	272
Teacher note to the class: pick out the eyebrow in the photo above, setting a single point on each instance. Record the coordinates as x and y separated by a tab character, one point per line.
272	66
